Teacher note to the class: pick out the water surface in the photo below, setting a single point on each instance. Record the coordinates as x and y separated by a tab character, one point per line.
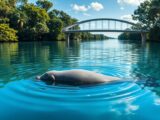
23	98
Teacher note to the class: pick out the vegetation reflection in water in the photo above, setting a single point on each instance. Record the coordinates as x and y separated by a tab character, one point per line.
21	62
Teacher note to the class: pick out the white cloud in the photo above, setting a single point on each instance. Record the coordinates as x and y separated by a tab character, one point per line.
130	2
83	8
79	8
96	6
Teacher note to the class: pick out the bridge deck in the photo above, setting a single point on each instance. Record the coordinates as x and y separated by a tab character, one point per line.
130	31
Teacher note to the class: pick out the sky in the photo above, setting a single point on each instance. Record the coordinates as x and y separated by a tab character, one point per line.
88	9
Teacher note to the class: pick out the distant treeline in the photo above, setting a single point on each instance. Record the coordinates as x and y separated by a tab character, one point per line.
148	17
23	21
89	36
129	36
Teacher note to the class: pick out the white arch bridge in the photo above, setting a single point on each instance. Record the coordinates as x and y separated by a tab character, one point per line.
104	25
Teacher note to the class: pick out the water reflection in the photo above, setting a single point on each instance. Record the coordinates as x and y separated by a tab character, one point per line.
125	59
24	60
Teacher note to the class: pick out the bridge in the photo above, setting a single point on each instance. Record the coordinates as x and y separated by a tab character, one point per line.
104	25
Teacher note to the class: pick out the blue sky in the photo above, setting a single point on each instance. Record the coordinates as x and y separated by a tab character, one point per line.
87	9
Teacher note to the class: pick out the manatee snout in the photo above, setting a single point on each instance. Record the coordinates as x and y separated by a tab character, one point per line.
47	78
38	77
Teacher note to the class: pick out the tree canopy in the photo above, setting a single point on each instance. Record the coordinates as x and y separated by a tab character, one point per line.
148	16
7	33
33	21
45	4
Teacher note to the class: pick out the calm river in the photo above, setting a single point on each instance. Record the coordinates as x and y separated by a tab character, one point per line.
23	98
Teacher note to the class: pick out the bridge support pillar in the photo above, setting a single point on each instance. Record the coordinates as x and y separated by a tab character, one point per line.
68	38
144	37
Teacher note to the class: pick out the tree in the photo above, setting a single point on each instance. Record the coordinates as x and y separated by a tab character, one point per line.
18	19
13	3
66	19
4	20
155	11
129	36
55	27
35	14
5	9
35	20
142	15
7	33
22	19
40	30
45	4
148	17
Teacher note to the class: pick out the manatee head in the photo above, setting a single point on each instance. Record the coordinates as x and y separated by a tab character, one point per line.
49	79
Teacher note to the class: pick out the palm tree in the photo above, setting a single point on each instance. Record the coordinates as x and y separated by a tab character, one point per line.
22	19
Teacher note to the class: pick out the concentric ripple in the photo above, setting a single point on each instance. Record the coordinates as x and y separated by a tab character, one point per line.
30	97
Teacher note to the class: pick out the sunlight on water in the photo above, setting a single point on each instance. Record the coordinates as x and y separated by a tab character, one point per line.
23	98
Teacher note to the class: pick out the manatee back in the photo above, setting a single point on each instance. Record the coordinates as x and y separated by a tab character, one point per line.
81	77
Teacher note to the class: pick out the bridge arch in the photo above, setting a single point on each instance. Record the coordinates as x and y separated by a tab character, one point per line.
104	25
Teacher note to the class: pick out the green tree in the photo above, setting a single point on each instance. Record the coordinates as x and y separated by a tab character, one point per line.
7	33
18	19
66	19
45	4
129	36
5	9
142	15
40	30
35	20
13	3
22	19
35	14
55	29
155	12
148	17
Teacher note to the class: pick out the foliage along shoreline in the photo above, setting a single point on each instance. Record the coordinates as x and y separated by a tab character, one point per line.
30	21
23	21
148	16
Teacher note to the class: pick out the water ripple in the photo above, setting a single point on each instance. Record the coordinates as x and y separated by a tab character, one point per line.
30	91
90	101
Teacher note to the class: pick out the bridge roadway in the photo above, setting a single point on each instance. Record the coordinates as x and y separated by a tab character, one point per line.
105	30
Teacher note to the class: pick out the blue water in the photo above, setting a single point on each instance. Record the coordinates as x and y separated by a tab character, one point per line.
23	98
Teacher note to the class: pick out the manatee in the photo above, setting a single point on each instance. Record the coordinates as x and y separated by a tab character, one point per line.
75	77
